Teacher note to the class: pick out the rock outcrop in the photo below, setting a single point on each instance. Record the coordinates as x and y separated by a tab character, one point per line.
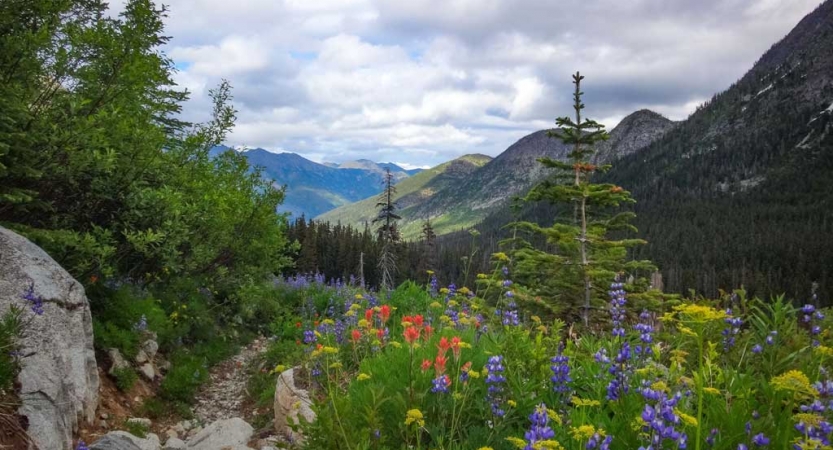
233	433
58	377
291	403
122	440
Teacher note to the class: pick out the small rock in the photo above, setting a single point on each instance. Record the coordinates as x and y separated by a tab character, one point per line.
232	432
104	416
142	357
150	348
117	361
103	424
179	429
164	365
175	444
140	421
291	405
122	440
171	433
147	371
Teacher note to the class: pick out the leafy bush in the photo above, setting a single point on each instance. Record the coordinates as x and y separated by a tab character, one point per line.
10	328
189	368
125	378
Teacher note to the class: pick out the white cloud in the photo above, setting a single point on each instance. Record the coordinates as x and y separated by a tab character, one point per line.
424	81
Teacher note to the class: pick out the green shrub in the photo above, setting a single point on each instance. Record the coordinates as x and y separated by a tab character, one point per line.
109	335
10	329
136	429
125	378
189	368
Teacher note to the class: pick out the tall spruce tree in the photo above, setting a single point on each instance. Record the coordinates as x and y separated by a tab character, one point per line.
388	232
580	259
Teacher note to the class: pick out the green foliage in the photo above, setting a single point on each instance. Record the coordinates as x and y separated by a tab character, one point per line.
579	259
136	429
109	335
189	368
11	327
125	378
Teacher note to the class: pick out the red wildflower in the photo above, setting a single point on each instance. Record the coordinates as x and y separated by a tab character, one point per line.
380	333
384	313
426	364
418	320
411	334
297	324
439	364
455	347
368	315
428	332
356	335
444	345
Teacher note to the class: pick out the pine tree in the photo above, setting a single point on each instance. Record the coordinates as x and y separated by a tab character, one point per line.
429	247
388	233
584	259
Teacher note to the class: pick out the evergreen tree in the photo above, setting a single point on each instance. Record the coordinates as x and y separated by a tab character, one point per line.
429	247
388	233
579	260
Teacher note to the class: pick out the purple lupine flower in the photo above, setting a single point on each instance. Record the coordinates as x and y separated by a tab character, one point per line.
757	348
770	339
561	372
733	328
35	301
309	337
441	384
646	330
510	316
539	430
711	436
495	381
760	440
617	307
620	370
661	421
434	286
82	446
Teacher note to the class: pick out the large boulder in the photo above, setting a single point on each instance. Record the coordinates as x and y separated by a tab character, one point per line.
122	440
291	403
233	433
58	377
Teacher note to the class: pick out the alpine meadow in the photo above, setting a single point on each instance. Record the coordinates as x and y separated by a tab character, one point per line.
439	225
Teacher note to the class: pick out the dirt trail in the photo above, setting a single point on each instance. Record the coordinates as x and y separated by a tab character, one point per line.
224	395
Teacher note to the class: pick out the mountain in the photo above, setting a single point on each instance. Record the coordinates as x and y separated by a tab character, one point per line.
739	194
411	192
313	188
473	195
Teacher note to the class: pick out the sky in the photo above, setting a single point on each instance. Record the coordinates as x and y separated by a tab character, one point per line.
420	82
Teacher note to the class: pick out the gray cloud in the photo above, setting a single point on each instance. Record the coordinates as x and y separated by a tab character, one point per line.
423	81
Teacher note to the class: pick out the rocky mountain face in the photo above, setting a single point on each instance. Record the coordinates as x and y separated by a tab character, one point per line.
313	188
472	196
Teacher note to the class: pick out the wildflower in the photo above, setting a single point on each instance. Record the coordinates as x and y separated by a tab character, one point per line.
617	307
757	348
770	339
82	446
456	347
368	315
426	364
36	301
760	440
309	337
411	335
495	381
443	345
429	330
441	384
384	313
794	381
691	312
539	430
561	372
576	401
414	416
439	364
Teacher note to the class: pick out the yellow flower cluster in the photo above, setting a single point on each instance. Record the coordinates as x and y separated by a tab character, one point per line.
414	416
584	402
796	382
324	351
585	432
692	312
688	420
363	377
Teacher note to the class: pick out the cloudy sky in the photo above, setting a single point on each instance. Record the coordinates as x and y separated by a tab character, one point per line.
420	82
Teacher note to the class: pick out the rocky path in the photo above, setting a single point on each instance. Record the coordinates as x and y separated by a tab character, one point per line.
225	392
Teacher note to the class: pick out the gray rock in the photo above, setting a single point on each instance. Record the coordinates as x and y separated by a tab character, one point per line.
150	348
59	379
140	421
147	371
291	403
117	361
175	444
232	432
122	440
142	357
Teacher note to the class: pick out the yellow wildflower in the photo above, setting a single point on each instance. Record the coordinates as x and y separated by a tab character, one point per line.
711	390
363	377
823	350
328	322
329	350
796	382
686	330
464	290
660	386
548	444
317	334
512	403
457	396
356	306
429	272
350	313
554	416
517	442
464	321
813	420
359	296
435	305
452	303
474	374
485	448
279	368
691	312
443	291
335	365
584	432
500	256
482	276
414	416
363	323
584	402
445	319
395	344
688	420
536	319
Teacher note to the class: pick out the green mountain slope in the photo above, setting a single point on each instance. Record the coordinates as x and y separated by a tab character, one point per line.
410	192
